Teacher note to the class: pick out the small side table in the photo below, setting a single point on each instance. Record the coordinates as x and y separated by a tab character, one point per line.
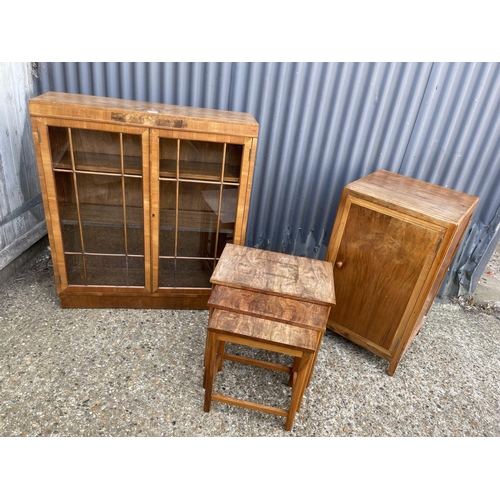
270	301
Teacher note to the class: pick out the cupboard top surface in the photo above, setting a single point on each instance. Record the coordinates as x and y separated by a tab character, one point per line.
146	114
275	273
416	195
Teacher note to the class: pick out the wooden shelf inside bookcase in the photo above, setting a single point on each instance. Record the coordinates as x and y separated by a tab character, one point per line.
106	277
202	171
102	163
112	215
111	164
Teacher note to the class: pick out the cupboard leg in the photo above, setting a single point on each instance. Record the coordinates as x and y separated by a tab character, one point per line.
392	367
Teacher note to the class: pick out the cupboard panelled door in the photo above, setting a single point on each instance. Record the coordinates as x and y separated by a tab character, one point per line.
381	260
99	199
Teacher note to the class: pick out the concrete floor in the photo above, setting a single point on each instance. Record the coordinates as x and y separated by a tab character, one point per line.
487	292
103	372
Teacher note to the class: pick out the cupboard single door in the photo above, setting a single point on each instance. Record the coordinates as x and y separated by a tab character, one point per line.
381	261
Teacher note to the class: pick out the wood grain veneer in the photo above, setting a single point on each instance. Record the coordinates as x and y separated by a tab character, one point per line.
125	179
392	241
275	273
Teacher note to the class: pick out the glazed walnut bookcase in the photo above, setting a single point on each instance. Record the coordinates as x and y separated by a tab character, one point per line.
392	242
140	198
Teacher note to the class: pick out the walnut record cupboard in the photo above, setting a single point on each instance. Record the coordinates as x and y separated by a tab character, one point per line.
392	242
140	198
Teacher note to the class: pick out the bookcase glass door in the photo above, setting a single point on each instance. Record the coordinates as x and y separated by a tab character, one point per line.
99	187
199	185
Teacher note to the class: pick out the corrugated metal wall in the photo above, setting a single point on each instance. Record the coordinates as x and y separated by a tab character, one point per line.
323	125
22	221
456	143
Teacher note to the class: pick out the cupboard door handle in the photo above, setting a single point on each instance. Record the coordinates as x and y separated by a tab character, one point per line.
339	264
